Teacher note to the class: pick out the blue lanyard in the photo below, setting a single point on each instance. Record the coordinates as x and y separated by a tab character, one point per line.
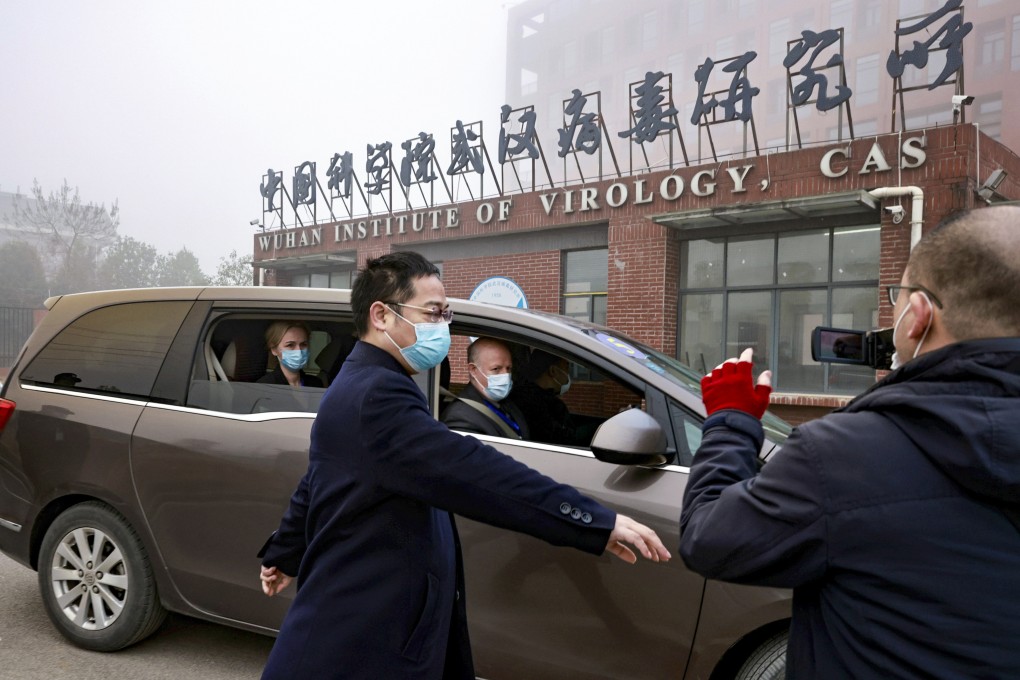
504	417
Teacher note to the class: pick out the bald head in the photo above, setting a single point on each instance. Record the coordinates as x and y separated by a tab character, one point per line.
483	350
971	262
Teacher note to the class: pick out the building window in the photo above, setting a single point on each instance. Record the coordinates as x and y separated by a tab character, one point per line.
585	284
529	82
695	17
649	30
323	279
608	44
571	58
779	33
866	87
993	48
989	115
1014	52
841	15
769	291
871	13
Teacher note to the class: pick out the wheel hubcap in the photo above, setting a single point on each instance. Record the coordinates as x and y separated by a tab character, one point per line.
89	578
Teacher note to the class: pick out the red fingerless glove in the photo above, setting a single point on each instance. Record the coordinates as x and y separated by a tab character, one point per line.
731	387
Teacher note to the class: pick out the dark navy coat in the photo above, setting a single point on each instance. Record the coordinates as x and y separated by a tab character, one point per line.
885	517
460	416
370	536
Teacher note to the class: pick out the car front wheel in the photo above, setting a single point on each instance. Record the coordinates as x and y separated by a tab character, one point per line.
768	661
96	580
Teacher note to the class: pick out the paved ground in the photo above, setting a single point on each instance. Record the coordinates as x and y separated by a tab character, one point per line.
183	649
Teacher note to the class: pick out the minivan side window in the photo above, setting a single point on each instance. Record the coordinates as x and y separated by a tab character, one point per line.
115	350
567	418
234	369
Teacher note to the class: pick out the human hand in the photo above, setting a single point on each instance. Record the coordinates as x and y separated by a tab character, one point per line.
729	386
273	580
639	536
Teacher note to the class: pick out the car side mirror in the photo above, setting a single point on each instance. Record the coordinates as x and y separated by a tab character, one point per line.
630	438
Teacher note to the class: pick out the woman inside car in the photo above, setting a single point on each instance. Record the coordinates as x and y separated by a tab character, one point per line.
288	343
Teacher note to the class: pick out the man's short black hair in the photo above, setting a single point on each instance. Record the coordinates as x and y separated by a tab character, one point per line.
539	362
388	278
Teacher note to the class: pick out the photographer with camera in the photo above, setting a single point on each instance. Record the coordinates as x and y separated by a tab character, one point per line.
895	519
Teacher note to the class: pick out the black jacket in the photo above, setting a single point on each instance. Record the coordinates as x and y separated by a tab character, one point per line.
885	517
460	416
547	415
277	377
370	535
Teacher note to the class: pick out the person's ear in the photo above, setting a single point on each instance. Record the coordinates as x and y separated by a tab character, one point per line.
379	315
921	311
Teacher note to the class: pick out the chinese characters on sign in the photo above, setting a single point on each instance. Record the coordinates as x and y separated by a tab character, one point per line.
815	74
950	35
813	78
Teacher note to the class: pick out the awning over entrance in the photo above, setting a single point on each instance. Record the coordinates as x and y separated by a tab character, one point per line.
846	204
308	261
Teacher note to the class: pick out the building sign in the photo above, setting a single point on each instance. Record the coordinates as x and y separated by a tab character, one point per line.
652	114
499	290
704	183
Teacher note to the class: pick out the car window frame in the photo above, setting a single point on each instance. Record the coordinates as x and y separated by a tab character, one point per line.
215	312
656	403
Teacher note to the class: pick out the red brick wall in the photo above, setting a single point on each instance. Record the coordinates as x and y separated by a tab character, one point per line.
538	275
643	280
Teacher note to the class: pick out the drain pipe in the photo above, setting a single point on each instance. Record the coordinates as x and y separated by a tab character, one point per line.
916	207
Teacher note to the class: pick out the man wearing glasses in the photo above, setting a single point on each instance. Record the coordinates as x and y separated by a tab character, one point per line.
895	519
369	533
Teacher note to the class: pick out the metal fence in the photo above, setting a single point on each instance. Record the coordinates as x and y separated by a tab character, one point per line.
15	326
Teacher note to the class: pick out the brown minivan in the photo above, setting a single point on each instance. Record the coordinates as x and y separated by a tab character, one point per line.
142	465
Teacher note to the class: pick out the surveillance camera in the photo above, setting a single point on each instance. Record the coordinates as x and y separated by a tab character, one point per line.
254	222
896	211
962	100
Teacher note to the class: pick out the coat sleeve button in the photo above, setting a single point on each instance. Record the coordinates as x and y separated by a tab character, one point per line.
586	517
565	508
575	513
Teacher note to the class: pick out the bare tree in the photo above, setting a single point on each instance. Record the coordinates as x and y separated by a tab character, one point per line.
234	270
76	231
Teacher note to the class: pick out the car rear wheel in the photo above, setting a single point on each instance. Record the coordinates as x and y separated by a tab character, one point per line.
96	580
768	661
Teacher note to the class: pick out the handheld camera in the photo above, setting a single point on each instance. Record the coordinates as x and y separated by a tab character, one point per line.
845	346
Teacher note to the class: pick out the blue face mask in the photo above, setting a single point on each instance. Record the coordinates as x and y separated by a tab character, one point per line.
499	387
431	345
294	359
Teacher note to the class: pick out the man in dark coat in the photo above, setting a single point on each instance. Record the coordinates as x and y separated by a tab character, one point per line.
546	378
489	367
896	519
369	533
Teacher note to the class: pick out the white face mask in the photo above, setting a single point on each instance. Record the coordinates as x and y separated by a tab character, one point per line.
564	386
896	363
499	386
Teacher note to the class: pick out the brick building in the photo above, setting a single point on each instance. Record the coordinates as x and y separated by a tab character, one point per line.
733	243
697	261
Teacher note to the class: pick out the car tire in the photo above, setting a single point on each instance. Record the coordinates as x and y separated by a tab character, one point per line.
767	661
96	580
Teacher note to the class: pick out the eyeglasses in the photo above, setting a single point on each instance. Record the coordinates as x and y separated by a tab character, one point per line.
434	315
894	294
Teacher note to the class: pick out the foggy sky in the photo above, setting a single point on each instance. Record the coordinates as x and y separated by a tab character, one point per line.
177	109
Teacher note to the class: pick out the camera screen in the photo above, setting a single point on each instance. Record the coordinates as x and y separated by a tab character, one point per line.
840	346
